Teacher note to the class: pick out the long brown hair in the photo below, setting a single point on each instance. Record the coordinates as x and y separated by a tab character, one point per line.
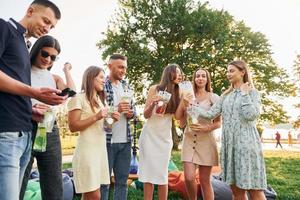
88	86
208	84
167	84
241	66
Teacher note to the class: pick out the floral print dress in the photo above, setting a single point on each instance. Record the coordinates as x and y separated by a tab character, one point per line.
241	159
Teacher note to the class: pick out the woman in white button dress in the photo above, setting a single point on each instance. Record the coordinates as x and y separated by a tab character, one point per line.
155	142
199	148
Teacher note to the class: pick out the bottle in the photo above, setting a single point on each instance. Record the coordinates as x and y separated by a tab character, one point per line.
40	141
134	165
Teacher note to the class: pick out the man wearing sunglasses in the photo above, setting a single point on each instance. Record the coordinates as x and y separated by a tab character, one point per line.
15	92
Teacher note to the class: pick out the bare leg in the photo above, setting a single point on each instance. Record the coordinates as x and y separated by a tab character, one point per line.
94	195
238	193
163	192
189	178
257	195
148	191
207	190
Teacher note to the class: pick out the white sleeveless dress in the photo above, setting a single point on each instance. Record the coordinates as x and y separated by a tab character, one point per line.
155	146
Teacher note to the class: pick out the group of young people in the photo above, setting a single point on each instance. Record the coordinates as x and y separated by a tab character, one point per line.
241	156
28	89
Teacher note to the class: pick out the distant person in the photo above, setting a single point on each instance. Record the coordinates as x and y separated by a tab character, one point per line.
290	139
43	54
86	114
278	137
16	110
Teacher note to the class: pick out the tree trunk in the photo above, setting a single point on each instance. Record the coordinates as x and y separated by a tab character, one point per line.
175	137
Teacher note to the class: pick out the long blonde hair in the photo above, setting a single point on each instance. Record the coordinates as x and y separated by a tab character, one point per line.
241	66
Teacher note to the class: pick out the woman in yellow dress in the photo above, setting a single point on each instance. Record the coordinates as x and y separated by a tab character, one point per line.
86	113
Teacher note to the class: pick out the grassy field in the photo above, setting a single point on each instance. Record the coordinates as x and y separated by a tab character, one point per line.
283	174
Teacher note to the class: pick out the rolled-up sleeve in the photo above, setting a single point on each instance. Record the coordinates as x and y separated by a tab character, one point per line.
214	111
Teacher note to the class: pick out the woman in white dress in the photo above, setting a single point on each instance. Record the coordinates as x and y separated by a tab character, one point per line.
155	142
86	114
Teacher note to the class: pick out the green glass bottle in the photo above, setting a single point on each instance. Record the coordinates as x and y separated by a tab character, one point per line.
40	141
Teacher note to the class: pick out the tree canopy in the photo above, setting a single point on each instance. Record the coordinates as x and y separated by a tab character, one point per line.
154	33
296	69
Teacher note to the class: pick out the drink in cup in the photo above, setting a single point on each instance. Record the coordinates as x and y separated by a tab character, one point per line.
186	87
160	107
108	121
40	141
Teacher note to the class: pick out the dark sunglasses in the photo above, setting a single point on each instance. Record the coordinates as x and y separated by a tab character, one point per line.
45	54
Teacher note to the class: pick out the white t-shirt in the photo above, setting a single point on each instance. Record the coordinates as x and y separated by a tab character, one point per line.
119	128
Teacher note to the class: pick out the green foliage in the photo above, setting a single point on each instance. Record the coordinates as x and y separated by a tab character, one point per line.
62	122
296	69
155	33
282	171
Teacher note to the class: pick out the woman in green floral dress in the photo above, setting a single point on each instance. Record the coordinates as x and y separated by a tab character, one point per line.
242	159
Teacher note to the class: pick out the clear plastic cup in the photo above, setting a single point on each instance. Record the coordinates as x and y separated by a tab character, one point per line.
192	112
186	87
127	96
161	105
49	119
108	121
40	142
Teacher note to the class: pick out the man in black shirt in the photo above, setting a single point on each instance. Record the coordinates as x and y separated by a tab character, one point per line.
15	92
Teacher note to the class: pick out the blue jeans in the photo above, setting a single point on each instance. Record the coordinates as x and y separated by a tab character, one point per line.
49	165
15	150
119	156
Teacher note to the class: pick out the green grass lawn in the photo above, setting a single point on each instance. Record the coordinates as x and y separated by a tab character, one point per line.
283	174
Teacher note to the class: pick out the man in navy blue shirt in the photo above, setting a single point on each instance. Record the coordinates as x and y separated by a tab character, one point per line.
15	92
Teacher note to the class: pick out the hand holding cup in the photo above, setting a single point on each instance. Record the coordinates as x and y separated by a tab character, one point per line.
199	127
123	107
115	115
102	113
187	99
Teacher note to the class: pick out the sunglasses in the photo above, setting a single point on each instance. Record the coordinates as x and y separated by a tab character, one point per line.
45	54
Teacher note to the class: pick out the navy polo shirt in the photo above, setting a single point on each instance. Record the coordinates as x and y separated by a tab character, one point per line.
15	111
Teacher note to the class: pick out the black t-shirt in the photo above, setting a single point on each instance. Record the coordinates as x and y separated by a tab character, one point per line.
15	111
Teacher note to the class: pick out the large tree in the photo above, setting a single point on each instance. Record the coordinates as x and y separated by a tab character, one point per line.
153	33
296	69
